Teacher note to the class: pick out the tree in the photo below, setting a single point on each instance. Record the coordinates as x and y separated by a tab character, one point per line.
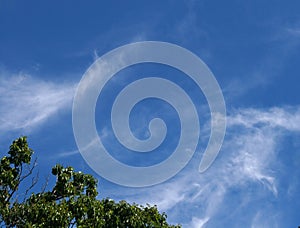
71	202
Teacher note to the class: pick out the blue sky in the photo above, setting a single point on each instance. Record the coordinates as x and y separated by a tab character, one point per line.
253	49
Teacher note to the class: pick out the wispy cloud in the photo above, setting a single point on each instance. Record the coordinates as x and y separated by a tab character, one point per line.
265	70
247	165
265	219
294	31
198	223
67	154
26	102
287	118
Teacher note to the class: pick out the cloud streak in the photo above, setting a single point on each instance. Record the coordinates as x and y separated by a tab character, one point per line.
27	102
247	165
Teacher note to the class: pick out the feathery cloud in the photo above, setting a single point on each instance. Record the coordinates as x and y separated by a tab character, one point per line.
248	161
27	102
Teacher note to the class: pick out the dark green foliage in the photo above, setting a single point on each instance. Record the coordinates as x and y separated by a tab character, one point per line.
71	203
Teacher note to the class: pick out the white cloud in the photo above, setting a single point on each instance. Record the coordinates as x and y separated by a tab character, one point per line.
198	223
294	31
26	102
248	160
287	118
67	153
262	220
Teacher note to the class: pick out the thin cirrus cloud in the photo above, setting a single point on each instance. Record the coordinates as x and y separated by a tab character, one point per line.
247	165
248	160
27	102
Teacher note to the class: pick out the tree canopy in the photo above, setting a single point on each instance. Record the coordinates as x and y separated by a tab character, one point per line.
70	203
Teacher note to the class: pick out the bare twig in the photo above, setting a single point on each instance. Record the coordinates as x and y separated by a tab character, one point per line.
30	170
34	180
46	184
21	177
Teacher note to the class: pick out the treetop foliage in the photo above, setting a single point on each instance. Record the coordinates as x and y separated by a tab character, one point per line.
71	202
